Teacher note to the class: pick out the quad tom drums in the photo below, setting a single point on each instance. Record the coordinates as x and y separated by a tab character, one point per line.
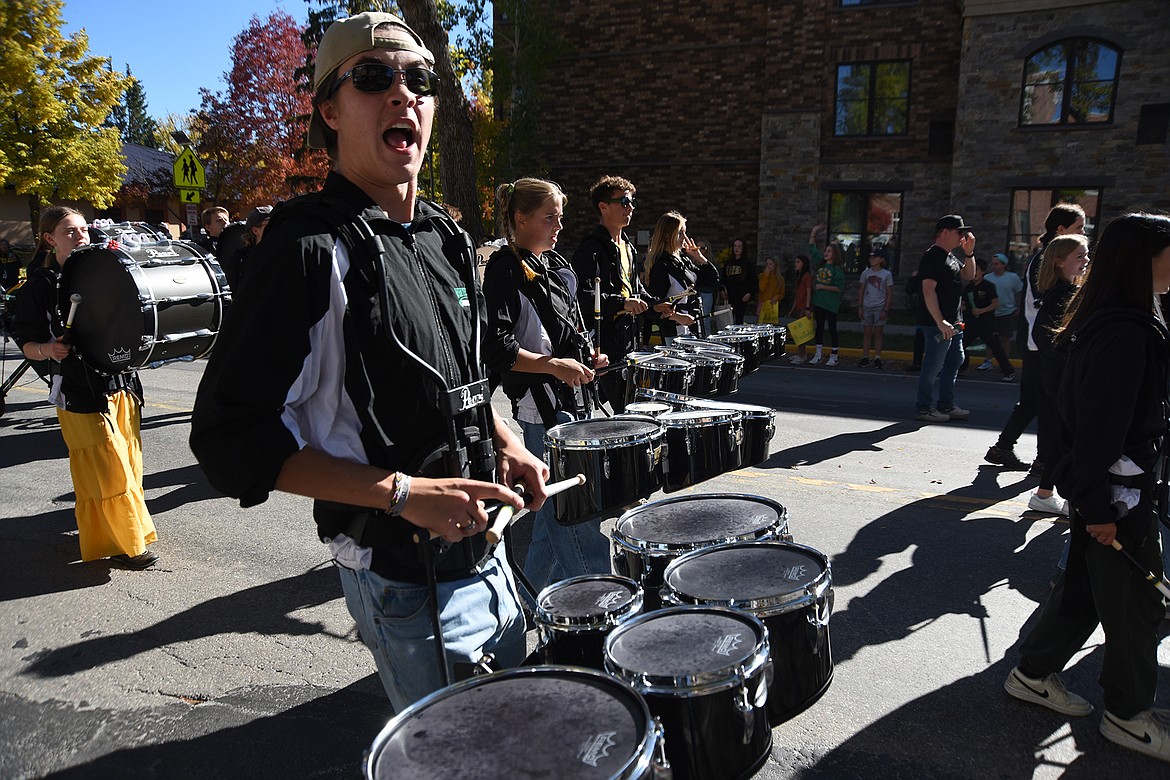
704	674
708	369
648	537
701	444
664	373
575	616
787	586
143	304
759	425
621	458
555	722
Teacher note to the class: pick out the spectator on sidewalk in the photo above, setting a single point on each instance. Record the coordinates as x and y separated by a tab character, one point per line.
1008	286
875	293
771	292
939	319
739	279
828	286
801	300
981	321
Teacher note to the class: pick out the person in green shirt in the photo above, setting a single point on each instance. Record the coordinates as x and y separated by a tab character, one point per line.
827	288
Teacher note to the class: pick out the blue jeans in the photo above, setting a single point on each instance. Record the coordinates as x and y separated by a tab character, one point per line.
480	614
940	366
557	551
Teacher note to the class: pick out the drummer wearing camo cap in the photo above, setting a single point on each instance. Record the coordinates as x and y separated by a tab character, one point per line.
375	402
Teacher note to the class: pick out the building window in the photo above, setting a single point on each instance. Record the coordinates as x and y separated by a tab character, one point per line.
873	98
1071	82
860	221
1029	210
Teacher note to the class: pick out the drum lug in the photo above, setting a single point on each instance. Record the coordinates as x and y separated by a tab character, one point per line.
605	464
688	441
736	437
661	766
746	707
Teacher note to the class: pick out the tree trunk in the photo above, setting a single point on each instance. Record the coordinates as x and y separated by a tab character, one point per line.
452	118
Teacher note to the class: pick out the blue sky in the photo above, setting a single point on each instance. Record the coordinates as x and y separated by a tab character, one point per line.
173	49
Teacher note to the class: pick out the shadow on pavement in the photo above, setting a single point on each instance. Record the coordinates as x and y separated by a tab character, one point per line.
265	609
836	446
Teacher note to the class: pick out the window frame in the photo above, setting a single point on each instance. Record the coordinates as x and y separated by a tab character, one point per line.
871	98
1019	250
1073	46
856	251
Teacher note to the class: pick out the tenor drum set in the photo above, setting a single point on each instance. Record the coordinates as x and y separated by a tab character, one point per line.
711	628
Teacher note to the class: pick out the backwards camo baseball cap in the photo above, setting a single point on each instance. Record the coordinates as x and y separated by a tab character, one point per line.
348	37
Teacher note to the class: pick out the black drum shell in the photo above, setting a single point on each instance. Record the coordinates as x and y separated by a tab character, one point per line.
751	576
516	724
765	340
575	616
666	655
647	538
733	368
759	426
664	373
701	444
708	369
745	344
142	304
621	458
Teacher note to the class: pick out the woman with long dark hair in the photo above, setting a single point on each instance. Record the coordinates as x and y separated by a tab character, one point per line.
802	300
1112	403
675	265
739	279
100	416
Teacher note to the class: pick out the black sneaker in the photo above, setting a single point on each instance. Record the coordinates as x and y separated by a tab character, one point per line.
1008	377
863	363
137	562
1005	458
877	362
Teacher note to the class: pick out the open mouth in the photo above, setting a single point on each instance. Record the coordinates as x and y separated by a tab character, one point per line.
400	137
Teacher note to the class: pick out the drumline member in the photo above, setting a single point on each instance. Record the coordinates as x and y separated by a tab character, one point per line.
351	374
675	266
607	254
100	416
537	338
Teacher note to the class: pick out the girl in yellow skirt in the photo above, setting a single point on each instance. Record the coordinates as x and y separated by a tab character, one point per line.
100	416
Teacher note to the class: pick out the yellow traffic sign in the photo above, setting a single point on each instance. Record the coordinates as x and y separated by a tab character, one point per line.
189	173
189	196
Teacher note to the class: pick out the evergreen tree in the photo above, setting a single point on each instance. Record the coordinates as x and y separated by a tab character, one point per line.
139	128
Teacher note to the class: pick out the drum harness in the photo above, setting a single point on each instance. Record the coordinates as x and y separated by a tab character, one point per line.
467	449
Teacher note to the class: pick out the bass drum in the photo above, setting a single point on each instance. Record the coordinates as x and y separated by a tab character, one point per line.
142	304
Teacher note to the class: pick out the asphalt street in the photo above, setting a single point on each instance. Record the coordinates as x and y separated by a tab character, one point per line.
235	656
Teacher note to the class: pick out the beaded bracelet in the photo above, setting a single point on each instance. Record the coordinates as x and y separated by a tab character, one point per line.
400	493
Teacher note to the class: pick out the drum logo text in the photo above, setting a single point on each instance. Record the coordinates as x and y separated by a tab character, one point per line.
794	573
120	356
167	252
467	400
596	748
611	599
725	644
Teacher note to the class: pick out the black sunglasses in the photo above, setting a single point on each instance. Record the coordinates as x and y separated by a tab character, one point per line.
625	200
379	77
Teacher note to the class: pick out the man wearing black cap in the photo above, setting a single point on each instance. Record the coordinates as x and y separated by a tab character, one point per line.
352	376
942	276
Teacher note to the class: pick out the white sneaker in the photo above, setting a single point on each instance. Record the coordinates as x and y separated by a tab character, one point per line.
984	366
1049	505
832	360
795	360
932	415
1143	733
1048	692
815	359
955	413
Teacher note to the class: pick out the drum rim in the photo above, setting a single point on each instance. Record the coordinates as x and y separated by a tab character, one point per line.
731	416
658	549
750	411
664	396
639	762
767	606
583	443
644	365
702	683
704	342
670	407
579	624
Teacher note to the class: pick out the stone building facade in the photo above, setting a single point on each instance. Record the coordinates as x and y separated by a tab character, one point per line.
762	119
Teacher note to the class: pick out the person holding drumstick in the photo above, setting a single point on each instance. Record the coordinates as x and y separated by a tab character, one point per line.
353	376
1112	403
537	340
674	269
606	263
100	416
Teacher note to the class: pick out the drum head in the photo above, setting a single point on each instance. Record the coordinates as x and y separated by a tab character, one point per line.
699	417
587	596
550	722
664	363
686	521
690	642
651	408
601	431
766	572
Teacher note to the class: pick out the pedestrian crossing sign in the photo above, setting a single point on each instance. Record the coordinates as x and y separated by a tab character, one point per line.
189	173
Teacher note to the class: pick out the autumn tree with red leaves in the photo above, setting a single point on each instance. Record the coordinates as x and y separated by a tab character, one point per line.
250	135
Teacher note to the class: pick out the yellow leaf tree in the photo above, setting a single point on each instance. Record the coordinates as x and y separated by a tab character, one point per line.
55	98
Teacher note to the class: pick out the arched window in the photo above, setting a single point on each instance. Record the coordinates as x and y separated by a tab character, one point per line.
1070	82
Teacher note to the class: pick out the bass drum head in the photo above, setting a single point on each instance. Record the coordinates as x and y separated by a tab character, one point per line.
552	722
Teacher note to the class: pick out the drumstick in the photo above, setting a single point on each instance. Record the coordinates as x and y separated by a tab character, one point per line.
625	363
1149	575
597	315
496	531
74	302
